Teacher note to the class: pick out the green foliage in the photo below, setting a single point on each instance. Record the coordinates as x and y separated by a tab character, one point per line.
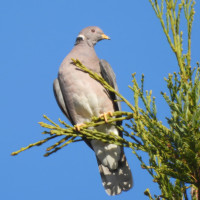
173	150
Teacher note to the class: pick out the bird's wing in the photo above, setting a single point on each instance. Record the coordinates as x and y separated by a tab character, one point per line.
60	100
108	74
114	181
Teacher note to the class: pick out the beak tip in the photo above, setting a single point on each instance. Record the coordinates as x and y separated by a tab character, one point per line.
105	37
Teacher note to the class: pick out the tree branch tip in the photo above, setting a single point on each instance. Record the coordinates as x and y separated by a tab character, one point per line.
74	60
14	154
49	149
133	74
147	192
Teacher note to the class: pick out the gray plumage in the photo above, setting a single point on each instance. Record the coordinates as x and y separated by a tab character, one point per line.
109	76
80	97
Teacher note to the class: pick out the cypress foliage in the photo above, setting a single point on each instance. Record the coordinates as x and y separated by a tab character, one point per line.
173	150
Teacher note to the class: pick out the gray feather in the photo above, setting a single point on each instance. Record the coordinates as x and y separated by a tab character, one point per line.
60	100
109	76
116	181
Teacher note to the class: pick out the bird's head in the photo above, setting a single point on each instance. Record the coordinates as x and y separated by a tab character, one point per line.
91	35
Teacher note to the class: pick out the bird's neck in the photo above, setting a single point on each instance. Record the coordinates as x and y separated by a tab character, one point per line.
84	41
87	55
85	49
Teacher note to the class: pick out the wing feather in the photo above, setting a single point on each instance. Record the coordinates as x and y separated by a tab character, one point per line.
60	100
108	74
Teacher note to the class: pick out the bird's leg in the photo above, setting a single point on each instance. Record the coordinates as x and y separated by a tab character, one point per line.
78	126
105	115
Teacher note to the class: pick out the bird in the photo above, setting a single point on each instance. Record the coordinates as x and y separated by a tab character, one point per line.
80	97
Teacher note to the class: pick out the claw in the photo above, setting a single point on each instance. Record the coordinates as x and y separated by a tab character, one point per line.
78	126
105	115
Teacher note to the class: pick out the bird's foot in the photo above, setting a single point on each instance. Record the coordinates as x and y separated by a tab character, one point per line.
77	127
104	115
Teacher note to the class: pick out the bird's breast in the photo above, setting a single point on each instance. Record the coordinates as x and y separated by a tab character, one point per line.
85	96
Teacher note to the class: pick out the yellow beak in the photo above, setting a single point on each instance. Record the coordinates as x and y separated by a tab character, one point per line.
105	37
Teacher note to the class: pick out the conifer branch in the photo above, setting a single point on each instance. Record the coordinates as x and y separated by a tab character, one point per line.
173	150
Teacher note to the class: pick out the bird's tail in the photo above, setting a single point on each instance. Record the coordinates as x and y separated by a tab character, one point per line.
118	180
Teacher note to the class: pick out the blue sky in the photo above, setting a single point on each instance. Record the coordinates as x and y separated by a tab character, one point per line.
35	36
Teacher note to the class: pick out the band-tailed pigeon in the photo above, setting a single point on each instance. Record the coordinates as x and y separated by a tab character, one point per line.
80	97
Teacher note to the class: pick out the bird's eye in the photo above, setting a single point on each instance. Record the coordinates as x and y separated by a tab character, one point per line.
92	30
